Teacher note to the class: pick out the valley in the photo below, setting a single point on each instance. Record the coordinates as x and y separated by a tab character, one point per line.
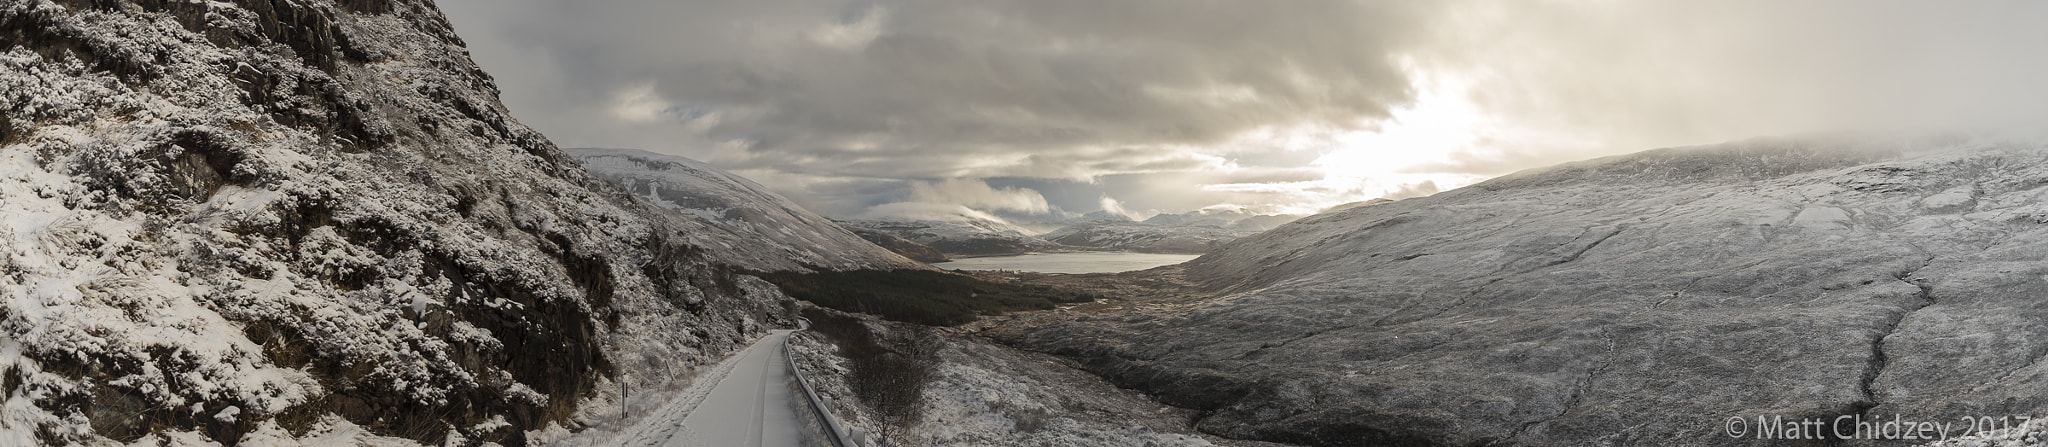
314	222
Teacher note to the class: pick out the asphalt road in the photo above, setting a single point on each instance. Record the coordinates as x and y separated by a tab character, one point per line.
748	404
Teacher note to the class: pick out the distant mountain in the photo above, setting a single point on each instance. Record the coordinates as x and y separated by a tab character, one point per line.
1222	218
749	225
908	248
1632	300
1193	232
1145	237
969	236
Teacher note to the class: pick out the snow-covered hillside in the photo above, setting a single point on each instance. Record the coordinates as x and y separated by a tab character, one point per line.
258	220
744	223
1634	300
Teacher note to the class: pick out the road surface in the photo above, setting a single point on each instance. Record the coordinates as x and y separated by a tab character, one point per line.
745	401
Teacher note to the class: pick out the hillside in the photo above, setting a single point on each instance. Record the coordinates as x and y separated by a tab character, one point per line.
1635	300
746	225
259	221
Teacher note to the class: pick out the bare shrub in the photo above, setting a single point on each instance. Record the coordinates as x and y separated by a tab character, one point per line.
888	373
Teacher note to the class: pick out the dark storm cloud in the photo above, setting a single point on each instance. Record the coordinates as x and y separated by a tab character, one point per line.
846	105
863	88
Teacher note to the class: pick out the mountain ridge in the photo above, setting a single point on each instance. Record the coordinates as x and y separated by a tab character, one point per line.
1640	298
752	227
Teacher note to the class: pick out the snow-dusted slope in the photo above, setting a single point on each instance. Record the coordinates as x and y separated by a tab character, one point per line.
258	219
1635	300
968	236
744	223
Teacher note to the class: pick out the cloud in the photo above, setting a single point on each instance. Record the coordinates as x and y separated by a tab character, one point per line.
940	88
978	195
640	104
1112	206
944	212
1580	79
1423	189
1181	104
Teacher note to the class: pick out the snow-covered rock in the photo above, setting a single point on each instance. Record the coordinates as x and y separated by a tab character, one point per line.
744	223
1635	300
254	220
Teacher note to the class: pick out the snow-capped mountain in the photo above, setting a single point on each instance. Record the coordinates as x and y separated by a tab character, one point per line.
968	236
258	221
744	223
1634	300
1234	219
1192	232
1144	237
908	248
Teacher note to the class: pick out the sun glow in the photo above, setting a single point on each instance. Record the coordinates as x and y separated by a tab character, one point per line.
1416	144
1416	151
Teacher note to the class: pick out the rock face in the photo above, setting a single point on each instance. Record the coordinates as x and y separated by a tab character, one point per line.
258	219
1633	300
744	223
969	237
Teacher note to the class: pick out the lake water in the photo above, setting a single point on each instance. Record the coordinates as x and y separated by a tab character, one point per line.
1093	262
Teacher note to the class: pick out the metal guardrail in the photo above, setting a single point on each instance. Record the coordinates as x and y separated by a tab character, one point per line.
839	436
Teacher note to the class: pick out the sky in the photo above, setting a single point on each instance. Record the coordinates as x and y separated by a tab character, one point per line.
1042	109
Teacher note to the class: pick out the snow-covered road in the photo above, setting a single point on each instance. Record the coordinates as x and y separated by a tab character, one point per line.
744	401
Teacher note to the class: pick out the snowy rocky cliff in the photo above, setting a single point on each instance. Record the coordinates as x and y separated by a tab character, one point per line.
1635	300
272	219
744	223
